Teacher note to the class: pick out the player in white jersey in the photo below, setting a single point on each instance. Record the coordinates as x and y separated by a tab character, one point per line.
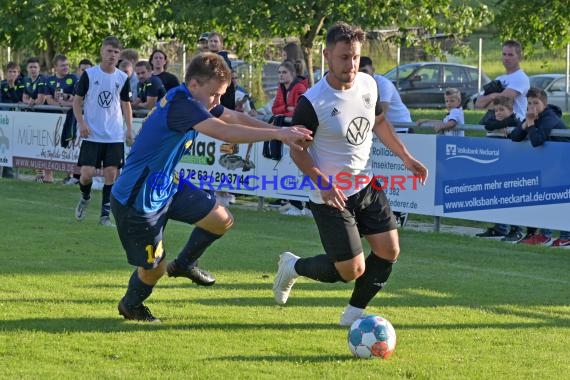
343	111
102	99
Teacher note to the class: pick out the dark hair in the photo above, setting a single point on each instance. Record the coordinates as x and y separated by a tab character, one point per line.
365	61
144	64
85	61
112	41
33	60
539	93
161	52
12	65
342	32
207	66
294	53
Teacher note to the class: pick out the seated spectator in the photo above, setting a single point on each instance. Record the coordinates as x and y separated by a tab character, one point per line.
159	62
453	118
540	119
244	103
290	89
150	88
501	118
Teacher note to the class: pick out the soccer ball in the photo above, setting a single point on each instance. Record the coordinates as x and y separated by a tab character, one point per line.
372	336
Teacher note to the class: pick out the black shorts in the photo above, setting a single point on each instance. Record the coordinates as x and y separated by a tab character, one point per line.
141	234
95	153
367	212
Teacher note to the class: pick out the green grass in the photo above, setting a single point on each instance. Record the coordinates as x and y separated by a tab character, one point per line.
462	308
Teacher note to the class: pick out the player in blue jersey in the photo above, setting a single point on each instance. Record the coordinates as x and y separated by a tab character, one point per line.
148	193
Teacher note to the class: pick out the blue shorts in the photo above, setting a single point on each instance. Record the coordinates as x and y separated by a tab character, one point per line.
141	233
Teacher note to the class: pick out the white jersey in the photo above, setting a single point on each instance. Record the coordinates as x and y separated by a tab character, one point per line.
518	82
102	105
458	116
398	112
343	139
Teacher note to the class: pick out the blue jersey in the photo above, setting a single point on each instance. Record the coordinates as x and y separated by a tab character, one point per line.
67	84
148	180
35	87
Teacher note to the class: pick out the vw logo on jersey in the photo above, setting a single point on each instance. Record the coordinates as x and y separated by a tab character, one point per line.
105	99
358	129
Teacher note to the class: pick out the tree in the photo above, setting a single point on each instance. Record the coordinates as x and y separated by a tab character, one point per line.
308	20
535	21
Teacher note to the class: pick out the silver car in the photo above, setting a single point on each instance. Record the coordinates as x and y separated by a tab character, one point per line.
555	87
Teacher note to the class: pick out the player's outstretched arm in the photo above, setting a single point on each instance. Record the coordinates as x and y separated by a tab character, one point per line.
237	133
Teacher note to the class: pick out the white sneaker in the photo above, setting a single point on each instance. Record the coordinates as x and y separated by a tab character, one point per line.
349	315
285	277
106	221
81	209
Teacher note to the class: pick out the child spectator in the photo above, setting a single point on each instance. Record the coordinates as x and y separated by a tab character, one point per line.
453	118
541	118
503	118
500	118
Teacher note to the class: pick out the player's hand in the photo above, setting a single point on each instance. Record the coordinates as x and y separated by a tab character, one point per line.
129	138
333	197
417	168
84	130
295	137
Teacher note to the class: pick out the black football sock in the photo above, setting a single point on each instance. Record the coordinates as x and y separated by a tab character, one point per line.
106	201
371	282
199	240
85	190
137	291
319	268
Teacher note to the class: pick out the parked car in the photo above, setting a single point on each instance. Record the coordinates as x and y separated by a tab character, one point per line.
422	84
555	87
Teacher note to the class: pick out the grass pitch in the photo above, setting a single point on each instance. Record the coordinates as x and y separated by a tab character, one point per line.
462	308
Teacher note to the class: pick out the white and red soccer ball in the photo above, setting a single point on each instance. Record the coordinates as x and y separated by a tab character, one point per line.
372	336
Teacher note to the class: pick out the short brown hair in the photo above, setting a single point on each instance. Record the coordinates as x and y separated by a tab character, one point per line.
504	101
144	64
539	93
112	41
207	66
453	92
516	45
342	32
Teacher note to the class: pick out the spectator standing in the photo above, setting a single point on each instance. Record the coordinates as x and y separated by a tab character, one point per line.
127	67
203	42
12	88
216	45
290	89
150	88
514	84
393	108
159	62
132	56
83	65
34	83
11	91
59	92
101	102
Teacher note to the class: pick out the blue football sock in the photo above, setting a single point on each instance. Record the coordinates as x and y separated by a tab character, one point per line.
137	291
199	240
